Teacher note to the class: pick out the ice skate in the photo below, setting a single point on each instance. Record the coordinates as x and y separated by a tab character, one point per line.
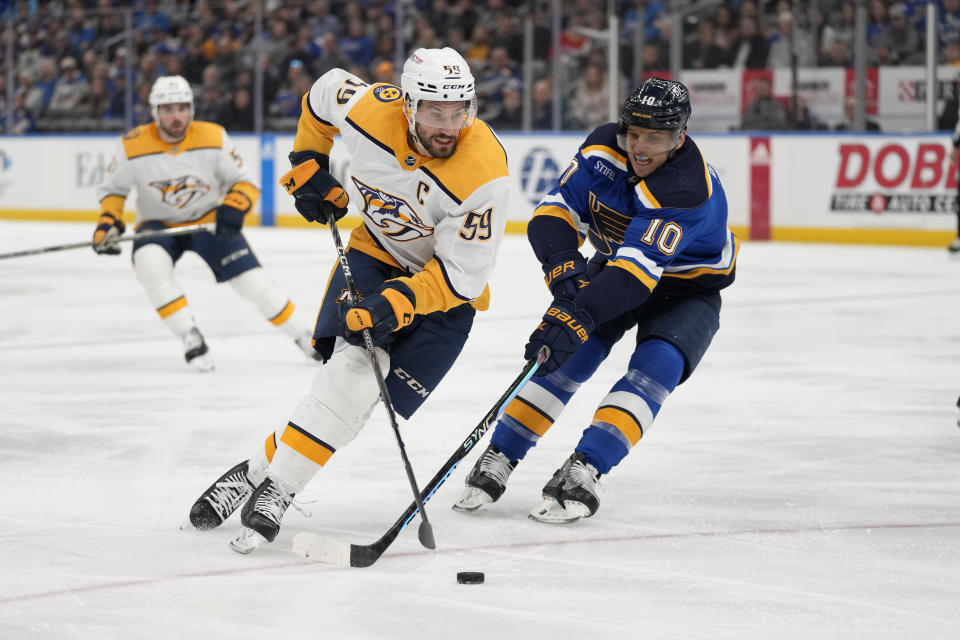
570	494
487	481
195	351
305	344
222	498
261	516
954	249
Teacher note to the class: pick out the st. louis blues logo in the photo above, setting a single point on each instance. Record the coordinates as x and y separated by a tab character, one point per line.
180	192
395	218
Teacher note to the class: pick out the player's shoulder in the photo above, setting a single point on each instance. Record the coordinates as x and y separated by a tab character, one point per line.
601	146
334	78
203	135
376	108
682	183
478	160
144	140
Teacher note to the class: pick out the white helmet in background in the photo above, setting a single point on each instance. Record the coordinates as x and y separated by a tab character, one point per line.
170	90
441	75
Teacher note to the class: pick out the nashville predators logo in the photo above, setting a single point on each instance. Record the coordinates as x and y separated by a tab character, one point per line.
394	216
386	93
180	192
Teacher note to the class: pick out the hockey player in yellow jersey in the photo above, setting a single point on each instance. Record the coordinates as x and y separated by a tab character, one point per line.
430	183
186	172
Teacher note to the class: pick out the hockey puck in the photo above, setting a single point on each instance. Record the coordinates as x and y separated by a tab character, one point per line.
470	577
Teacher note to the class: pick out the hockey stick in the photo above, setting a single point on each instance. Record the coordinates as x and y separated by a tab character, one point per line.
345	554
425	532
146	235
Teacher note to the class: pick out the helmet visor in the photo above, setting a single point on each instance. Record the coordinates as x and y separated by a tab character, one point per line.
446	115
649	141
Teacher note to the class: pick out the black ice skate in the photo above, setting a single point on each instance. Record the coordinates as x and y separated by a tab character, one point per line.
222	498
261	516
487	481
570	494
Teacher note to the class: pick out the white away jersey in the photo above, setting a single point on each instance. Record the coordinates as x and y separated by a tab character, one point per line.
444	218
176	183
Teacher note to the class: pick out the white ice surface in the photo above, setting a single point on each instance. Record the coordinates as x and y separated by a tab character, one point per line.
805	483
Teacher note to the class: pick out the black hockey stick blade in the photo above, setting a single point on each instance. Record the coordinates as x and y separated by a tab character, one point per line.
425	534
345	554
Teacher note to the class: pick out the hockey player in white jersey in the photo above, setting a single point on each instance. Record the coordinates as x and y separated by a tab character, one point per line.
430	182
187	172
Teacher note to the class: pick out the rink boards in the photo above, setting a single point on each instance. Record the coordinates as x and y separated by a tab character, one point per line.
878	189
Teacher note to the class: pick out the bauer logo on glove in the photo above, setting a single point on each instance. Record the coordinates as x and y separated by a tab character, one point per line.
571	322
565	274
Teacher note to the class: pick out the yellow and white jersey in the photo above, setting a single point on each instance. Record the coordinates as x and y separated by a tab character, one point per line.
176	183
441	219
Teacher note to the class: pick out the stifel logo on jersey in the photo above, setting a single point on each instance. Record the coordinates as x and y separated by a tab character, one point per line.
180	192
393	215
895	177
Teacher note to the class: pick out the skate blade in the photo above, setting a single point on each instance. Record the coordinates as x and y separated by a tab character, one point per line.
201	363
312	546
307	349
552	512
247	541
471	499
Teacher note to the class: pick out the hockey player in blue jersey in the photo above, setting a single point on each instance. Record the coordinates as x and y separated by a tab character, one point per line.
641	192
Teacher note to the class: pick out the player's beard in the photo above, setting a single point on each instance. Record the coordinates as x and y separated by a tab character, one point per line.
175	136
434	148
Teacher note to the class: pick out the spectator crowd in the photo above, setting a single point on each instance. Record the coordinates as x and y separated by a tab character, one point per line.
73	60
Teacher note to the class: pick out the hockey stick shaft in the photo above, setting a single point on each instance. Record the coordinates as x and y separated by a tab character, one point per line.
146	235
425	532
356	555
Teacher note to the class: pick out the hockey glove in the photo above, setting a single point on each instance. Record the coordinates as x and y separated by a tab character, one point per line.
566	274
384	312
106	234
230	214
317	194
595	265
563	330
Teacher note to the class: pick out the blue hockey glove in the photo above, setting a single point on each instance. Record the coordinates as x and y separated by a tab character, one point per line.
109	228
317	194
563	330
229	220
388	310
565	274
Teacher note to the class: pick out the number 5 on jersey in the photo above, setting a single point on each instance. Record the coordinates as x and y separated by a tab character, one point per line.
476	226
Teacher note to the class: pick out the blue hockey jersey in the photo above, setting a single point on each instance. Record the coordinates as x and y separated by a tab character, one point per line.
667	232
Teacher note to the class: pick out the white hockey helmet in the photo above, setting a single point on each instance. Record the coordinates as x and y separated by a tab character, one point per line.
170	90
440	75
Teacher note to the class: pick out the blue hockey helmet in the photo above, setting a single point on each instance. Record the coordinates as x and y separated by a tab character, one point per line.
656	104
